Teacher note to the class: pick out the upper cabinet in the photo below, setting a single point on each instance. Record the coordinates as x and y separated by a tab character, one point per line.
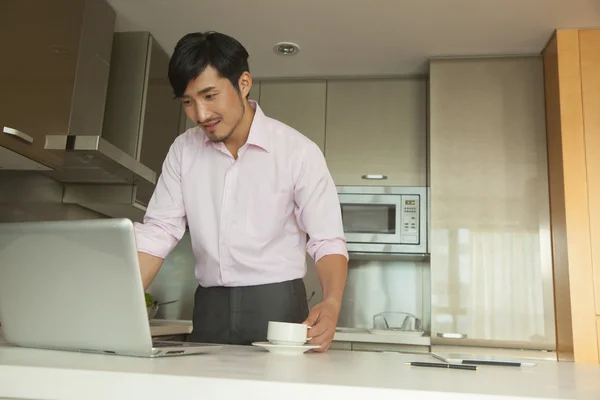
491	264
377	132
299	104
54	73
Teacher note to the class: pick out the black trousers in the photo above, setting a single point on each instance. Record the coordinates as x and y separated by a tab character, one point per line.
240	315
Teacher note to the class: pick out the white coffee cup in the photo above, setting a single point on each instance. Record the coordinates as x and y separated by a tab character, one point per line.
287	333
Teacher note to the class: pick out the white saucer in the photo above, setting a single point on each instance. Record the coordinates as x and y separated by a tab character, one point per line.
286	349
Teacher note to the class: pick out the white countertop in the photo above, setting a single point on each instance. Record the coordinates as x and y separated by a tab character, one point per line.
252	373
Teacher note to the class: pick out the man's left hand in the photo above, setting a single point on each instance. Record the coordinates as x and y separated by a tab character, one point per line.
323	319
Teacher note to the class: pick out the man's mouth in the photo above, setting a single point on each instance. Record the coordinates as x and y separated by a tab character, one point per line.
211	127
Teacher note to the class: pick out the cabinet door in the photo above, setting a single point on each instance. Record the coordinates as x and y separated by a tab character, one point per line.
377	127
300	105
589	44
491	267
35	73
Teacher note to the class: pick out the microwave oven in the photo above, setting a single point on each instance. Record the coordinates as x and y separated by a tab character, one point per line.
382	219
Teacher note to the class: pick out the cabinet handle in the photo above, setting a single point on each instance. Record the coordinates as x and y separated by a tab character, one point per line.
448	335
18	134
374	177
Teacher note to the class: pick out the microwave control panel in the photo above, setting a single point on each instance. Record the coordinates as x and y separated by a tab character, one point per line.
410	219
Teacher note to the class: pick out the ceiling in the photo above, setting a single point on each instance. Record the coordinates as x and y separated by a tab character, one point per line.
361	37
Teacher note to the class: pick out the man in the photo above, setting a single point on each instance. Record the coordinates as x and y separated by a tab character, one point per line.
250	189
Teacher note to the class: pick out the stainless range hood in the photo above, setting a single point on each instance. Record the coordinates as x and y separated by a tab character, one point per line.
92	159
115	173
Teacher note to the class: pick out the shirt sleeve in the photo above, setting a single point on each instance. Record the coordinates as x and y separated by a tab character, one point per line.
318	210
165	220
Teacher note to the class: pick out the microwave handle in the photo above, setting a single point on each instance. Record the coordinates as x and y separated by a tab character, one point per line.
375	177
452	335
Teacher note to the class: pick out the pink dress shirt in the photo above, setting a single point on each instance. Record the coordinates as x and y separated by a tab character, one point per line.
248	218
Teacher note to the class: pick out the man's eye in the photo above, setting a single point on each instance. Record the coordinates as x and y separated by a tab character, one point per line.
210	97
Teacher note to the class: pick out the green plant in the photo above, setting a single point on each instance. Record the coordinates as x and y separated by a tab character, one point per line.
150	300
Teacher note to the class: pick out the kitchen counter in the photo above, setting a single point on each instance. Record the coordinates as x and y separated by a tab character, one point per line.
249	372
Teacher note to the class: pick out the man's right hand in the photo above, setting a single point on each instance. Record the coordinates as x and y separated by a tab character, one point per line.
149	266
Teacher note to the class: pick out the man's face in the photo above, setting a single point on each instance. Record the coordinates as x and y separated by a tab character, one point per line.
214	104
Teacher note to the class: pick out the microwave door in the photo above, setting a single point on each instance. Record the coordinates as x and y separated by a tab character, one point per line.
372	218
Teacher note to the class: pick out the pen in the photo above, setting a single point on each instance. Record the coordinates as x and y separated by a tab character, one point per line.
441	365
484	362
499	363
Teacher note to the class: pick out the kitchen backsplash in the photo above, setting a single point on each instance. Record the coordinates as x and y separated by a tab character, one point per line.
175	281
375	287
31	196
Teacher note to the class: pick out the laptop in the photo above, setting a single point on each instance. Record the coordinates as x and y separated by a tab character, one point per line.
76	285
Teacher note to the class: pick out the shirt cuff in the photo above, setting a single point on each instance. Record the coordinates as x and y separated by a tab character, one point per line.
327	247
153	240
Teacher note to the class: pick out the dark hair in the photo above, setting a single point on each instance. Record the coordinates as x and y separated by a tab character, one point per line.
195	51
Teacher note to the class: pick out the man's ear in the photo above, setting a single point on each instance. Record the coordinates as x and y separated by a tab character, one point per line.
245	84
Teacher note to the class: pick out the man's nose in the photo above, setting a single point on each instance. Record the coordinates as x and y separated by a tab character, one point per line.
202	114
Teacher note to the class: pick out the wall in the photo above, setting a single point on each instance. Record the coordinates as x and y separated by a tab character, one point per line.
31	196
176	281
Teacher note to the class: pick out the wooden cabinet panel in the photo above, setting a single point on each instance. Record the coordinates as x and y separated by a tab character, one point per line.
570	195
377	127
598	332
299	104
589	47
490	244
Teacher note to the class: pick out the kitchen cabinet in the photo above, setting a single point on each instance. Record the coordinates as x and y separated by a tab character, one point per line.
377	128
299	104
54	73
572	79
491	261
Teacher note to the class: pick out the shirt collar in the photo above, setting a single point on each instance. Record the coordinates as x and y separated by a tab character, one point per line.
258	135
